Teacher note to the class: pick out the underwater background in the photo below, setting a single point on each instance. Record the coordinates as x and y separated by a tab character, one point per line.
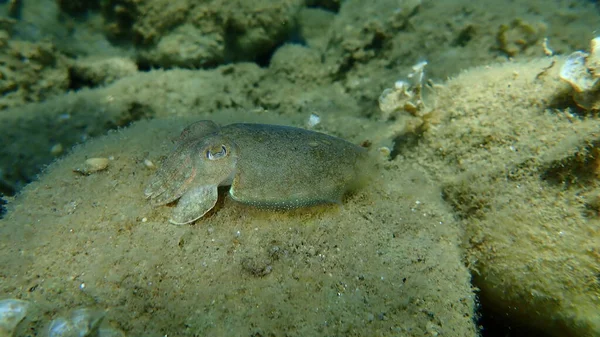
480	214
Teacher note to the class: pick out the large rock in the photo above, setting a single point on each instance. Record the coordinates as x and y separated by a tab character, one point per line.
385	262
520	165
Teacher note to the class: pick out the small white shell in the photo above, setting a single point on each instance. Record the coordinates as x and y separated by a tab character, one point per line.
582	71
313	120
575	72
149	164
385	152
12	311
388	102
80	323
93	165
60	327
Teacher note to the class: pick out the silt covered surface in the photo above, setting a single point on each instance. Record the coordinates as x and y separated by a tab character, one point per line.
384	262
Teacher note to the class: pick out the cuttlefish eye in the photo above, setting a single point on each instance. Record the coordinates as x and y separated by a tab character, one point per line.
211	154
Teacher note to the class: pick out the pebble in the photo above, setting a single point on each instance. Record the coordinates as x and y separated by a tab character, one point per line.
93	165
56	149
149	164
385	152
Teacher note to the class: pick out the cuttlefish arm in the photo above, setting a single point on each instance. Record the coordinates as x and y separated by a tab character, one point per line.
173	178
178	169
194	204
192	173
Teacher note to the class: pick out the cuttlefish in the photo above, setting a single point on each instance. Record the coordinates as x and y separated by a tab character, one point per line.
269	166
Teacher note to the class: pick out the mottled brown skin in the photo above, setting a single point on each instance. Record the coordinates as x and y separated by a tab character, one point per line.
268	166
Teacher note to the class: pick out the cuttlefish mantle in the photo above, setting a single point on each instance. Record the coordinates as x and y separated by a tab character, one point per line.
269	166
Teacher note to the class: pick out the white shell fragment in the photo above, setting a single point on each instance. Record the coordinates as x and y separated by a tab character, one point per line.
575	72
313	120
12	312
149	164
388	100
80	323
406	95
93	165
582	71
385	152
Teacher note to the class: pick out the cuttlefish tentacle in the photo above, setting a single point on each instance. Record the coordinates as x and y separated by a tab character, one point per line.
178	170
173	178
194	204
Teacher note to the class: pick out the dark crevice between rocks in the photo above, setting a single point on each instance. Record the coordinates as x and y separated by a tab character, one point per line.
328	5
563	102
144	65
119	17
577	171
77	82
232	54
405	143
2	208
135	111
344	68
262	58
295	37
494	324
13	8
78	7
377	44
464	36
11	182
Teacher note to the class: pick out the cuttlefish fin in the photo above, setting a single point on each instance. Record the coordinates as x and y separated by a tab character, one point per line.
200	129
194	204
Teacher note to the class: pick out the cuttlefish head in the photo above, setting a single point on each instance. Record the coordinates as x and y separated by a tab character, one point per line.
192	174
